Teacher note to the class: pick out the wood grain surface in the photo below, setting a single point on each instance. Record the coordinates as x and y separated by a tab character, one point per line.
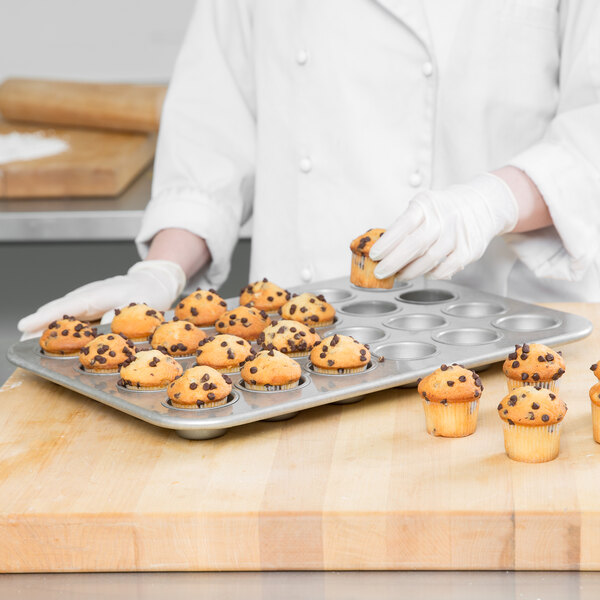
97	163
85	488
119	106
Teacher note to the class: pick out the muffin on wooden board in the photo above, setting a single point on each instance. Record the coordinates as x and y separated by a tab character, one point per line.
66	336
363	267
595	399
531	418
533	364
451	400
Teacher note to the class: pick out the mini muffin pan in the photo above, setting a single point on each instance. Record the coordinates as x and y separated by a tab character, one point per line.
411	330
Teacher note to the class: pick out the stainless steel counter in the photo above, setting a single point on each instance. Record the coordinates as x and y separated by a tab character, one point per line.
76	219
421	585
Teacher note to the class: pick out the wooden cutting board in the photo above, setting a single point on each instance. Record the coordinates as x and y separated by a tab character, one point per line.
97	163
85	488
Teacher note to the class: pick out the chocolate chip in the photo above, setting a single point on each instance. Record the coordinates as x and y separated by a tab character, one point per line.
510	422
515	364
594	367
292	309
462	378
444	367
194	311
211	396
512	356
193	385
531	416
500	406
535	405
545	418
541	358
330	362
112	353
552	396
227	379
180	305
524	376
188	327
512	401
205	377
253	370
526	348
206	387
535	377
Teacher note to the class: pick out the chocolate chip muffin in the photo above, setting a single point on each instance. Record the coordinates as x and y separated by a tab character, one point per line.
309	309
136	321
531	417
199	387
224	353
290	337
451	400
149	370
362	268
534	364
202	308
595	399
264	295
106	353
244	321
339	354
177	338
66	336
270	370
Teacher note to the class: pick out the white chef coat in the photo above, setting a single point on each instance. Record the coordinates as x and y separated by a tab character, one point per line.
322	118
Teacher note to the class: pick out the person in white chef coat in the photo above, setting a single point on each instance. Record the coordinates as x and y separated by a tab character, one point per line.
469	129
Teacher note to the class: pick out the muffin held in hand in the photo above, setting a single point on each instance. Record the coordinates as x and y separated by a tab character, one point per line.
451	401
200	387
149	370
339	354
531	418
270	370
244	321
136	321
202	308
595	398
290	337
264	295
362	268
177	338
224	353
66	336
308	309
534	364
106	353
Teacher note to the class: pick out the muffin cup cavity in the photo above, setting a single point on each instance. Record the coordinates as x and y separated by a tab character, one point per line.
526	322
406	350
229	400
370	307
334	294
427	296
363	333
302	382
475	309
467	336
416	322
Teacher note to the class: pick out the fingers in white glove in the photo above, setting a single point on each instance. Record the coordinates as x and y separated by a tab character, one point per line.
410	220
455	262
436	254
51	312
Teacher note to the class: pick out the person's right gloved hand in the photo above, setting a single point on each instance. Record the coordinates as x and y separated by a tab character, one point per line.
158	283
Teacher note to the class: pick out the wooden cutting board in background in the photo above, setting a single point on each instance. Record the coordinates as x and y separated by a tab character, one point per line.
97	163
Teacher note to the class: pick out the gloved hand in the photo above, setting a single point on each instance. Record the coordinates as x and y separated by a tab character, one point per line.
441	232
155	282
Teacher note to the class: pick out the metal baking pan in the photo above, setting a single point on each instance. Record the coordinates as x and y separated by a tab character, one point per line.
414	327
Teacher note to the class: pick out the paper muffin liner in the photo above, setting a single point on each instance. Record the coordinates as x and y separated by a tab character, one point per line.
531	444
194	406
596	422
61	354
92	370
454	419
145	388
552	385
339	371
361	273
271	388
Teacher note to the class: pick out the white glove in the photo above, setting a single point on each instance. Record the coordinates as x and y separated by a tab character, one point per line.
441	232
158	283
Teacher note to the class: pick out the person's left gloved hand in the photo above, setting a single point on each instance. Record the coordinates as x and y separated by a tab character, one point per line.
441	232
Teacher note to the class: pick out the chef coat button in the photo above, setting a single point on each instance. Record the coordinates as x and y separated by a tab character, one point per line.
302	57
415	179
427	69
306	165
306	274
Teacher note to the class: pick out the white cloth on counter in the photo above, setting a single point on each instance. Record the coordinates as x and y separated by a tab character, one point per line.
323	118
